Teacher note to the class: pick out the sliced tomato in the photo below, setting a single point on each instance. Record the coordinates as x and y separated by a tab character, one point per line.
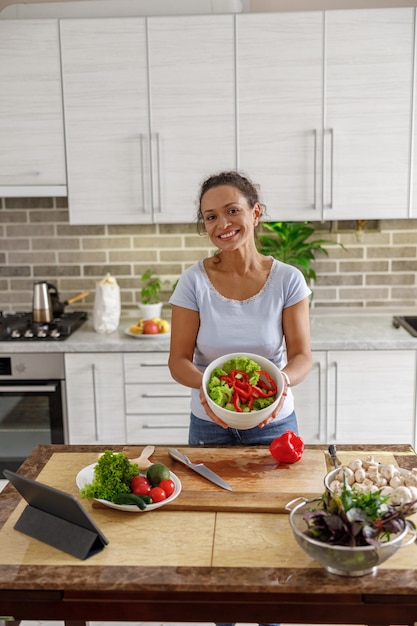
168	486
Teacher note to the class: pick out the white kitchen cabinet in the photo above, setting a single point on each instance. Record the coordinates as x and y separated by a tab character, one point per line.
192	108
149	112
310	401
280	92
368	97
324	111
372	396
32	151
105	90
95	398
359	396
157	408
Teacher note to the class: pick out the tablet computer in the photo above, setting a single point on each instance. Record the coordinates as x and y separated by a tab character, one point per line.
56	517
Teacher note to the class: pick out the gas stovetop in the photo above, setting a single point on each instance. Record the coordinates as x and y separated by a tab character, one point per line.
409	322
21	327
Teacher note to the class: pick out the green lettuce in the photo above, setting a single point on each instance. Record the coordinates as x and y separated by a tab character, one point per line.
113	474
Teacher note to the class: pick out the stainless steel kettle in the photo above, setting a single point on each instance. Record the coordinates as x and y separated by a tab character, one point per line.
42	306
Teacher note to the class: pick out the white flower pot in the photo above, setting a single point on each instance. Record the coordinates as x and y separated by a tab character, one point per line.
148	311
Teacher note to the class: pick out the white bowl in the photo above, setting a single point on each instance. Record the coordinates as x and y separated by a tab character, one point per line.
345	560
86	476
234	419
333	482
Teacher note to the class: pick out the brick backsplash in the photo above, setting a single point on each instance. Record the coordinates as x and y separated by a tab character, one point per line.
376	268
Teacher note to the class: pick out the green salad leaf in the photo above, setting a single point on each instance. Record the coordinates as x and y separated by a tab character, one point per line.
113	474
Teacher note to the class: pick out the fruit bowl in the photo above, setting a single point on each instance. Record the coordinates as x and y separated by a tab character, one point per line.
234	419
344	560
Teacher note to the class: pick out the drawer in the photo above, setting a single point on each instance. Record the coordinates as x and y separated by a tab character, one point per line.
158	429
146	367
171	398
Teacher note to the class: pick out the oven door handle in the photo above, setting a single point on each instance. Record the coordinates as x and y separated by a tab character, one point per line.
27	388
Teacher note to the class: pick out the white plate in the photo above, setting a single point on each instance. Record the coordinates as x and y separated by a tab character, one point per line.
86	475
142	336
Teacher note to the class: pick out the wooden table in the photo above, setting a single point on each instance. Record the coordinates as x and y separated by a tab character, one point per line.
191	565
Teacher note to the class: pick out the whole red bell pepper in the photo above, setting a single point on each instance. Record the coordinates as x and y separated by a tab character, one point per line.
287	448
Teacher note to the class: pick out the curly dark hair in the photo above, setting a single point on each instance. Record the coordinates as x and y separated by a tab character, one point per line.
234	179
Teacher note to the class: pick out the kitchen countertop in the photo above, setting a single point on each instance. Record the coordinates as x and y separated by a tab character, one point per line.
330	330
224	566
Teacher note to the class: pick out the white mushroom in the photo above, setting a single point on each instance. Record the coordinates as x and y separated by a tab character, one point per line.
388	471
336	486
369	461
401	495
360	475
346	471
413	492
387	491
411	480
380	481
396	481
368	482
355	464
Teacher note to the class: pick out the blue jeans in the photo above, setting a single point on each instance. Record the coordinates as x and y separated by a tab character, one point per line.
209	433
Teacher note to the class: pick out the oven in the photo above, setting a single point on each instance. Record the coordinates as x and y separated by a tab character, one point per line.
32	404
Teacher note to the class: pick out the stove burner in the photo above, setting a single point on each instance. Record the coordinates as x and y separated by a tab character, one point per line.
21	327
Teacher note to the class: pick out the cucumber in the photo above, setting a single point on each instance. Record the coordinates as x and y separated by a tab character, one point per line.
130	498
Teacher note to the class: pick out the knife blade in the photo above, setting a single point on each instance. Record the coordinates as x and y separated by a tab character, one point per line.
333	454
200	468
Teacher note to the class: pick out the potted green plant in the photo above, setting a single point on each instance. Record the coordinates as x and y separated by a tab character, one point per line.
291	242
150	294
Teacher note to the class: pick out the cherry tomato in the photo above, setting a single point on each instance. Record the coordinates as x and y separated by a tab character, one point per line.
157	494
168	486
140	486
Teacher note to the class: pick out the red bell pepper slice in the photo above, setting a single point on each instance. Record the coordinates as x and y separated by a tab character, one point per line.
244	392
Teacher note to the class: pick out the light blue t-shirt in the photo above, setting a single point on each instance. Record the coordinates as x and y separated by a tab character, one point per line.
253	325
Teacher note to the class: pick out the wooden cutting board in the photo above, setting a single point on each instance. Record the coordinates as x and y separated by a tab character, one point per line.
259	483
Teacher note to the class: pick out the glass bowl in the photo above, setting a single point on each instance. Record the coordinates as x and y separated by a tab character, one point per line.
344	560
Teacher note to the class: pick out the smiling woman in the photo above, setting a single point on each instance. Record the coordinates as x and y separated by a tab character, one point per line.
238	301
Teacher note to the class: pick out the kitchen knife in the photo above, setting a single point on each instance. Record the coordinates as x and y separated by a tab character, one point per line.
333	454
200	468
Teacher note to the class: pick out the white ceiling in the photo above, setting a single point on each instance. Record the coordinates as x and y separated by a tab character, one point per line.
10	9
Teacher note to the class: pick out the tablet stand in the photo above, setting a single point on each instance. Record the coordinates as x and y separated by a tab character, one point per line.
59	533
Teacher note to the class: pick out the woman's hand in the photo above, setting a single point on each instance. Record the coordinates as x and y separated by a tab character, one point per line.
209	412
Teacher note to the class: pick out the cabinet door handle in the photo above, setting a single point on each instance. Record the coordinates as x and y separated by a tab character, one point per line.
142	171
319	399
163	427
161	364
315	169
164	395
30	173
28	388
331	166
323	177
336	400
156	206
93	372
